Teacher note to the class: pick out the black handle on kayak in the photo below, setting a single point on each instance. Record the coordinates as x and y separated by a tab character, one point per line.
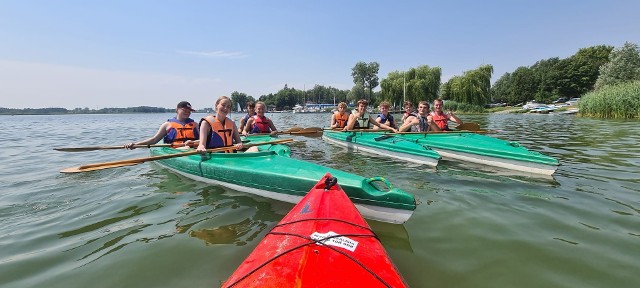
330	182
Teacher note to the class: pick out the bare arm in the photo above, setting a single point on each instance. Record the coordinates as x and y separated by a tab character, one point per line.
204	130
350	123
236	137
334	123
273	128
384	126
377	120
407	123
247	127
243	122
454	118
162	131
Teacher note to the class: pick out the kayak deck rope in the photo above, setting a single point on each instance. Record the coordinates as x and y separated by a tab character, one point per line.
317	242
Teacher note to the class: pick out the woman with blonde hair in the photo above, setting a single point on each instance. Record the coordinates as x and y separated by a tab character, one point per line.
219	130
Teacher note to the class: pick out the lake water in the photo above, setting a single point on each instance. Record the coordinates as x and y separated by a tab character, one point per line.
142	226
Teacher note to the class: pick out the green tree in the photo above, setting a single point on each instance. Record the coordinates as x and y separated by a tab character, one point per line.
422	83
393	87
239	98
365	77
356	93
471	88
623	66
501	90
578	73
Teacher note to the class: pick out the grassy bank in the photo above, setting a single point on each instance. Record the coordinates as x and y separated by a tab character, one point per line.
620	101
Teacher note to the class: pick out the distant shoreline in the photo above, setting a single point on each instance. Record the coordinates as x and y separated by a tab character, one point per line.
64	111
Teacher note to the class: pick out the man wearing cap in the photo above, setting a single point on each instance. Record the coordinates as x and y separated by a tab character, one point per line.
180	130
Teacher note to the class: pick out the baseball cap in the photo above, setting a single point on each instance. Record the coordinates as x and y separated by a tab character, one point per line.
185	104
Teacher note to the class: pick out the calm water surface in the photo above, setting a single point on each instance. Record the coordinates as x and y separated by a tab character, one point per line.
142	226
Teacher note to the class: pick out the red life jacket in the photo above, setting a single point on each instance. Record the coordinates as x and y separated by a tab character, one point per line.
260	125
221	134
178	133
440	120
341	119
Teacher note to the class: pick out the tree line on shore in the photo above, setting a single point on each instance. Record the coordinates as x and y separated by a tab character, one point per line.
590	70
54	111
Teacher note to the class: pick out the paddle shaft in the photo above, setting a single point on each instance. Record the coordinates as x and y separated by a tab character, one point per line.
293	131
447	132
93	148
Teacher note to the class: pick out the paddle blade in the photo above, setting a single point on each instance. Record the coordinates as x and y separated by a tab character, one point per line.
469	126
309	132
293	129
79	169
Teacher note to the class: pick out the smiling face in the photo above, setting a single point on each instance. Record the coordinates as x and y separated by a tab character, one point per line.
260	109
408	108
223	107
437	106
384	109
183	113
423	109
362	108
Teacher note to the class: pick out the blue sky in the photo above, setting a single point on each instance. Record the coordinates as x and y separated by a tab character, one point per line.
100	54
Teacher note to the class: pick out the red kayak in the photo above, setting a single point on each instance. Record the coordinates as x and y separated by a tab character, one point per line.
322	242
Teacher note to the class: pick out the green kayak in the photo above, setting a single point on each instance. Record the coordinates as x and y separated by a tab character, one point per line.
371	142
484	150
273	174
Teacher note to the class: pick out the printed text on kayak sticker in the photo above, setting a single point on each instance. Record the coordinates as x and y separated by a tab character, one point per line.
341	241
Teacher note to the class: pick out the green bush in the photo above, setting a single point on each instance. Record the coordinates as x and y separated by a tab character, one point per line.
616	101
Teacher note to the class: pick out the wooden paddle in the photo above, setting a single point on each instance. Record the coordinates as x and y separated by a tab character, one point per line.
309	132
135	161
93	148
469	126
447	132
360	130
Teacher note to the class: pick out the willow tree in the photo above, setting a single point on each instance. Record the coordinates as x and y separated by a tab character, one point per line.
420	83
472	87
392	87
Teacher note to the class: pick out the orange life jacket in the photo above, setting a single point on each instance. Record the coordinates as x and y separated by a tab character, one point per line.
178	132
441	120
341	119
221	134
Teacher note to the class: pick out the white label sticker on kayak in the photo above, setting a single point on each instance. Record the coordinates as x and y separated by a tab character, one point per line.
340	241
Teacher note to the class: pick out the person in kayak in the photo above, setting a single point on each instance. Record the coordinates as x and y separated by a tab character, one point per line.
385	117
251	111
259	123
181	131
408	111
219	130
361	119
442	119
422	122
339	118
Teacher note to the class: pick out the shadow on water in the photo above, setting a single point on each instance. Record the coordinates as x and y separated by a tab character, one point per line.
210	213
